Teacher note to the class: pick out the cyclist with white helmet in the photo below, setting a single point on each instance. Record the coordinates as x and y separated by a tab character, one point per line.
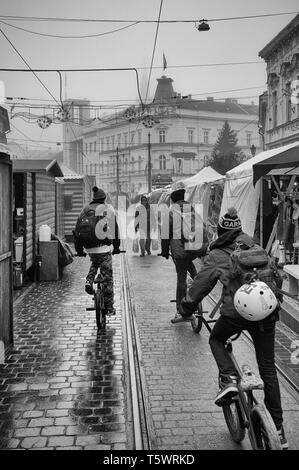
253	307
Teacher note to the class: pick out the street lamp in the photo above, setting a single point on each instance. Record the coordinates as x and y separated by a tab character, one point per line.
148	122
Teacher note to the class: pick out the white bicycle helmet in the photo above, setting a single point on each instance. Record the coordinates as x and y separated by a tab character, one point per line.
255	301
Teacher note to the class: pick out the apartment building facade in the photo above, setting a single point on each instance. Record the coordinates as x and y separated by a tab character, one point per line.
180	140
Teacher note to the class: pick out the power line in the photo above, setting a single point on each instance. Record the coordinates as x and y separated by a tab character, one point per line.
30	69
97	20
154	49
75	70
69	37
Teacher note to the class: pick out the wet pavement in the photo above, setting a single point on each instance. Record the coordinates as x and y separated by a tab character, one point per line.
63	385
180	374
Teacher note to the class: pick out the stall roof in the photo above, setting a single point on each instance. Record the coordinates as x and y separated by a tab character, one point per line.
38	166
205	175
70	174
287	158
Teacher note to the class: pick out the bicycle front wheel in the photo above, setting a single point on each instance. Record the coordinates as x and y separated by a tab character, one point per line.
266	435
234	420
196	322
99	308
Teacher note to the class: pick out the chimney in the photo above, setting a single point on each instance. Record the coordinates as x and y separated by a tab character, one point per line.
210	98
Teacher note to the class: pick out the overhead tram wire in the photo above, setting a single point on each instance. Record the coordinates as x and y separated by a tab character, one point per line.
154	49
74	70
97	20
69	37
30	69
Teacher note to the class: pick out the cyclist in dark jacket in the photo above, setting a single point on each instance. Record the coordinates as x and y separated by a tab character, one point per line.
216	268
100	255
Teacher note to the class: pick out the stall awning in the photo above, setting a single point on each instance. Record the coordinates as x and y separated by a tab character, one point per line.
37	166
288	159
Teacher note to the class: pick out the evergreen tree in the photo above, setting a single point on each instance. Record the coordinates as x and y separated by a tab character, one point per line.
225	152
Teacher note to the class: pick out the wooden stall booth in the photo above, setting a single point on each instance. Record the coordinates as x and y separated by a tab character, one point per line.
6	250
77	194
35	202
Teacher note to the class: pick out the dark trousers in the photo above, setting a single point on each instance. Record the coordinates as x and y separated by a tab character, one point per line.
145	245
183	266
104	262
263	340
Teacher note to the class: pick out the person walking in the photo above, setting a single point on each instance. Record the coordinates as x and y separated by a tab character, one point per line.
145	223
173	242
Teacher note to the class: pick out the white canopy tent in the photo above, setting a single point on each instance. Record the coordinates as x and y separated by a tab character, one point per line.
205	175
239	191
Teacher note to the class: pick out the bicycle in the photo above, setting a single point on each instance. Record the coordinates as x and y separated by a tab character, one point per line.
241	412
99	299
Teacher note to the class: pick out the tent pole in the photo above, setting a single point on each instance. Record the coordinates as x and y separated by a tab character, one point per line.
261	212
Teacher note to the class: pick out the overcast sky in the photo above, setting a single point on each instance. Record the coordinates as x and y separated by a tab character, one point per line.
182	44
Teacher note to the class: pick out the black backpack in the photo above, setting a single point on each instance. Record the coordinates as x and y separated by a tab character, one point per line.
90	228
253	263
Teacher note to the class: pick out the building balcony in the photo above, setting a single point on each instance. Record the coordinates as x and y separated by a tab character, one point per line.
286	132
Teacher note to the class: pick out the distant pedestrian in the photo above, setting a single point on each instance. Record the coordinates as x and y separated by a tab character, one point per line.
145	223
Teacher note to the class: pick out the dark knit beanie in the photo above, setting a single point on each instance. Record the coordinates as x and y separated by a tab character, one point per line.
98	194
178	195
229	221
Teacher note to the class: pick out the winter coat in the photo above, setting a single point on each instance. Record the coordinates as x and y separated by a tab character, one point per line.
111	215
172	236
216	268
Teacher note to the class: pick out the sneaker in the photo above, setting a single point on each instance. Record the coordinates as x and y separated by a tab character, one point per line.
110	312
283	440
228	389
250	381
89	287
142	254
180	318
149	252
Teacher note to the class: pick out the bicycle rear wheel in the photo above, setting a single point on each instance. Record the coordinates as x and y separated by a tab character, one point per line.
234	420
264	429
196	322
99	308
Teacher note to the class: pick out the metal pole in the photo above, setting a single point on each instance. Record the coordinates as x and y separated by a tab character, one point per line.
261	212
149	169
117	177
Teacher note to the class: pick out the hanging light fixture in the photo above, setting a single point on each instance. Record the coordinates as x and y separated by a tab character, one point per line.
44	122
203	26
63	115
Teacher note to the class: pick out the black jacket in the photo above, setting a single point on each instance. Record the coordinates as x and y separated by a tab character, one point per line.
115	241
216	268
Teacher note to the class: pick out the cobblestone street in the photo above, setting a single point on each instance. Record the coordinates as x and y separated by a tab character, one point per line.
63	385
180	371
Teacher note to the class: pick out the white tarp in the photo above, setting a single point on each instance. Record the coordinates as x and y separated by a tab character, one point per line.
239	191
205	175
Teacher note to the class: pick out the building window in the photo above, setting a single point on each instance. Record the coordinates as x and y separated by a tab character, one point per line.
94	146
107	143
113	142
86	148
132	138
139	136
118	139
139	163
288	93
162	136
206	160
162	162
190	136
126	139
180	165
133	164
248	139
102	145
274	109
206	133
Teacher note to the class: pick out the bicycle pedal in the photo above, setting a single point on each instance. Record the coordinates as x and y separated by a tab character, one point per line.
180	319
